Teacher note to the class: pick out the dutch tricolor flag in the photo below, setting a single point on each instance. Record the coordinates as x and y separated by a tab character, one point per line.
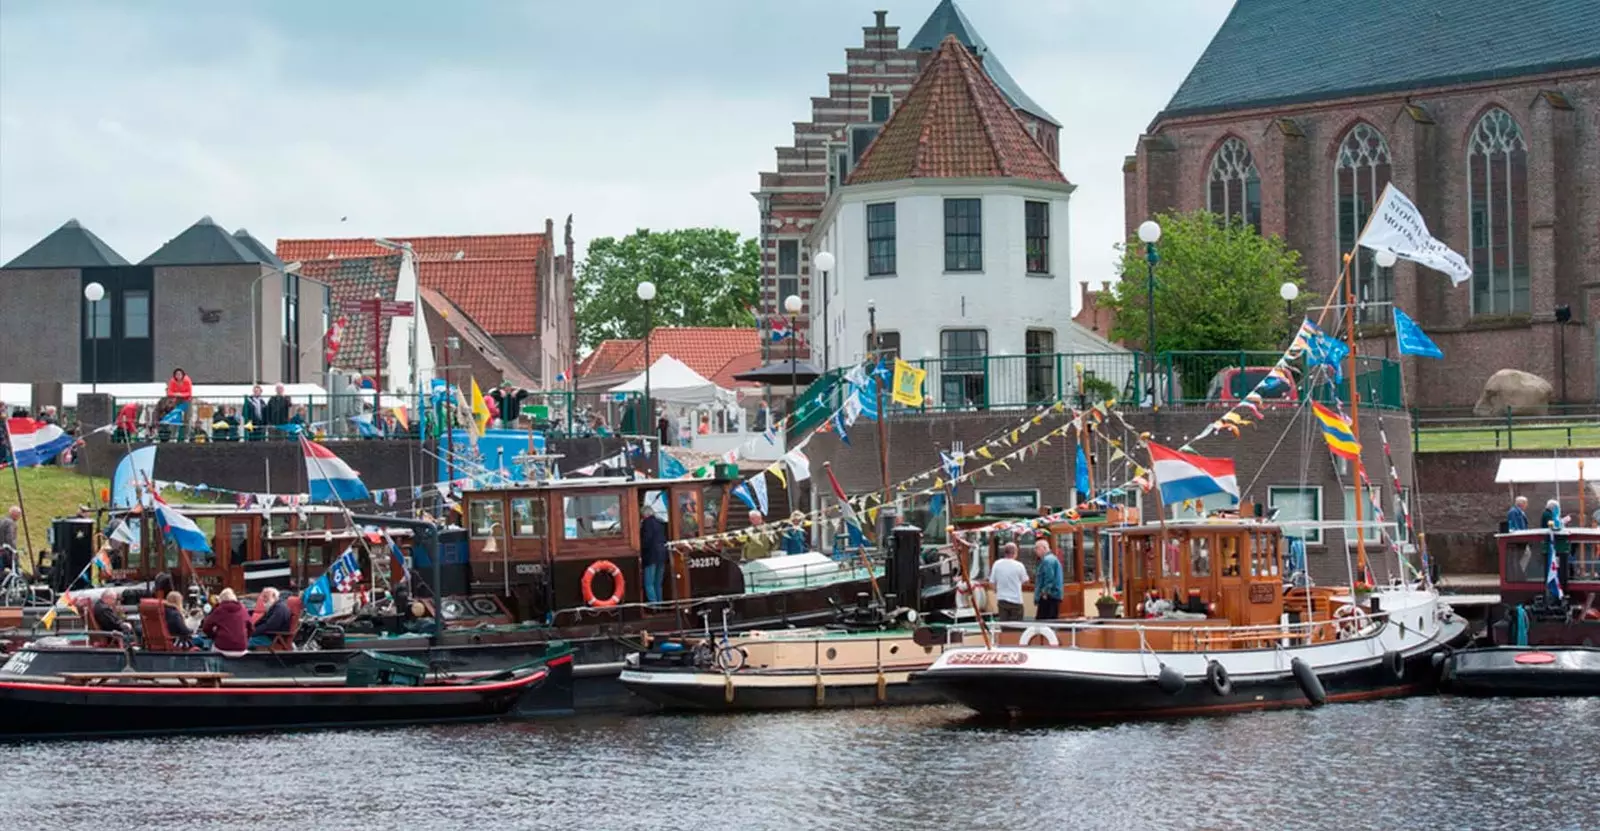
35	442
330	478
180	529
1184	476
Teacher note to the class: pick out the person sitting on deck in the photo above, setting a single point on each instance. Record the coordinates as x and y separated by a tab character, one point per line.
757	547
1048	583
273	622
1517	517
108	614
177	625
228	626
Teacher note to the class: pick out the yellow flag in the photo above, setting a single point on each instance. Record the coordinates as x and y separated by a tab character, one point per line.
480	409
49	619
908	384
984	452
777	470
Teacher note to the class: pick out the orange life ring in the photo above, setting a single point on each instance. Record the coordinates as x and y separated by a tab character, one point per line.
588	583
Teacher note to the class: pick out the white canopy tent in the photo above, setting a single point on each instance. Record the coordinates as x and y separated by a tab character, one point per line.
1545	471
673	382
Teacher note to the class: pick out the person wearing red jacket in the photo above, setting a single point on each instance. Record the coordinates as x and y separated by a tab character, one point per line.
179	388
228	626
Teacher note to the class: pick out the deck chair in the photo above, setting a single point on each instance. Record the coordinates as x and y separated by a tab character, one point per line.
285	641
97	636
153	618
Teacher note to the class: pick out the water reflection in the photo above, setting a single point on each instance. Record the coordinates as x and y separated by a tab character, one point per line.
1420	764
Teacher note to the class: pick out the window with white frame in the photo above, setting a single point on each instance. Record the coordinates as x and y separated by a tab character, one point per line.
1021	502
963	235
1036	222
1497	186
1234	185
880	240
1360	173
963	368
1369	535
881	105
1296	504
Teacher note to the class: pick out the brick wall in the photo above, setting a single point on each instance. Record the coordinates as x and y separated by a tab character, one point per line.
1295	149
1262	461
1462	506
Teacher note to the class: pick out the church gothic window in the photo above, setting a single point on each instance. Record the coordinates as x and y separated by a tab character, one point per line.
1233	185
1360	174
1497	184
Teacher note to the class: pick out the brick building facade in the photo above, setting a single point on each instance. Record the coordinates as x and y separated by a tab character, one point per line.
1488	117
842	125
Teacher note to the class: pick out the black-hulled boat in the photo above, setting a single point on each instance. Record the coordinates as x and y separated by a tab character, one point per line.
94	705
1523	671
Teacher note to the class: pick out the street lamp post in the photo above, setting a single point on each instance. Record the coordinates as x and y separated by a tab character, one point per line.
647	293
1149	234
823	262
255	319
1289	291
791	304
94	293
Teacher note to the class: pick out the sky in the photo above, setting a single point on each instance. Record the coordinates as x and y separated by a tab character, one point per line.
306	118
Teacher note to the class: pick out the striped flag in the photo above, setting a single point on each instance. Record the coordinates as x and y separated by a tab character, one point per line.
852	523
1336	431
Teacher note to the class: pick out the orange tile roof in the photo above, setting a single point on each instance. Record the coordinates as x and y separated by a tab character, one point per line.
501	295
714	352
954	124
494	278
350	281
477	338
474	247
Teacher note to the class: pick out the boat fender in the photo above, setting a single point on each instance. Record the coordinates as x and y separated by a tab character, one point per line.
1045	632
617	582
1217	678
1394	666
1309	683
1170	681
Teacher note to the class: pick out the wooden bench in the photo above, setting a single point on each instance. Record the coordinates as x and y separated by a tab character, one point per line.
179	679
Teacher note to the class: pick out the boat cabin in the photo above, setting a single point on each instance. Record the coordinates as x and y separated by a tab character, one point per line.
1525	564
1083	545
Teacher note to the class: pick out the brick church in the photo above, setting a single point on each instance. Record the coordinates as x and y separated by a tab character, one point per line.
876	77
1486	113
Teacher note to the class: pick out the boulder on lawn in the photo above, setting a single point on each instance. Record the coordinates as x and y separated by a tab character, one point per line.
1522	392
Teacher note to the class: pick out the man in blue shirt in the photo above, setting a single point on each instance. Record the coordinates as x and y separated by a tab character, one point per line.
1047	583
1517	517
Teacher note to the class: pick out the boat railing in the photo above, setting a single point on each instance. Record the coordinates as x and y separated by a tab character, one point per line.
1203	638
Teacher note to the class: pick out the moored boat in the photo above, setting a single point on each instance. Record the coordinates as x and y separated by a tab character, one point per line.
1523	671
1231	638
386	692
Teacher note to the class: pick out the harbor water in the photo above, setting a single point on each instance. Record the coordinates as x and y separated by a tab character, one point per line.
1427	763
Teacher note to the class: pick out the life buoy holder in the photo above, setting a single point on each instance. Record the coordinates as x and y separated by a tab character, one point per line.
1045	632
610	568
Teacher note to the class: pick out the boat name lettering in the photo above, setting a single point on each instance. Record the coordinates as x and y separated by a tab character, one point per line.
704	562
529	568
1261	592
988	657
18	665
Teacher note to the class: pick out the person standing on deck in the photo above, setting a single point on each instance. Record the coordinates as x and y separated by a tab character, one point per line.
1048	583
1551	519
652	552
1008	574
1517	517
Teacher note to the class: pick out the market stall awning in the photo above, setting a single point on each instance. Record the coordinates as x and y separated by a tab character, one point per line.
1540	471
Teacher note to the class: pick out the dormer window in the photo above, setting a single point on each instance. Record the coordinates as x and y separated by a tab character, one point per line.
880	106
861	136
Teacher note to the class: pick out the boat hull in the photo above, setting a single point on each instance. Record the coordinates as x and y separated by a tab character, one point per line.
1523	671
755	691
38	710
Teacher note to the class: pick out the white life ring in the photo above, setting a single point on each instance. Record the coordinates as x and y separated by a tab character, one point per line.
1048	633
1350	621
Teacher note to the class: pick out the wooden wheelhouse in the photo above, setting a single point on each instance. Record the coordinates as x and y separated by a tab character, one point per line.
1525	564
1083	545
1230	571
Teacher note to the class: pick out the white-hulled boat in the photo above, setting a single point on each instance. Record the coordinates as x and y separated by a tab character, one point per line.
1229	636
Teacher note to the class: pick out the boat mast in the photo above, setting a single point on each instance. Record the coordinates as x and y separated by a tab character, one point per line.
1362	572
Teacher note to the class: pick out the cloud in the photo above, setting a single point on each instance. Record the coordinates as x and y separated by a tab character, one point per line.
139	119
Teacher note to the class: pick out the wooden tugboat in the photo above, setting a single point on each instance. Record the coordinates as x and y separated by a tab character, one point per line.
555	560
1541	644
383	691
1226	636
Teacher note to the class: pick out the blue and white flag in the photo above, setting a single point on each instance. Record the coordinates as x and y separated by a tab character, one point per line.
329	476
1552	579
670	467
1413	341
175	417
839	427
180	529
1081	481
1327	350
758	486
742	490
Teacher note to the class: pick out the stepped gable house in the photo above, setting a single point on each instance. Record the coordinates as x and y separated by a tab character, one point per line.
1485	113
219	305
514	287
842	124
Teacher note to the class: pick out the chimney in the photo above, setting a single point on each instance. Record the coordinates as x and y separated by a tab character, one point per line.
1084	304
1105	285
883	18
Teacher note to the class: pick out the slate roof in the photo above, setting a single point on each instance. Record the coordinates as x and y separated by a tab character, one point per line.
948	20
350	281
1272	52
474	335
718	353
954	124
258	248
475	247
203	243
494	278
70	246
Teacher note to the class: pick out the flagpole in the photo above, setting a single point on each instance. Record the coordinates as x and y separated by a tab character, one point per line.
966	571
861	550
1362	572
883	428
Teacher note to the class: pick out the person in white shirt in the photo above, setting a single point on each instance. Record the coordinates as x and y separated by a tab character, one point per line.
1008	574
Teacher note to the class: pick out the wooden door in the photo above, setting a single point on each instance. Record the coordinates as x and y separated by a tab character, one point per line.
1069	547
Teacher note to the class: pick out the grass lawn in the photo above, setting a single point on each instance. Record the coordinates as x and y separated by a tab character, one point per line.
47	492
1551	437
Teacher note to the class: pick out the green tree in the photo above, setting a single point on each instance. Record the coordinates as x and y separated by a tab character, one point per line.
1216	287
703	277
